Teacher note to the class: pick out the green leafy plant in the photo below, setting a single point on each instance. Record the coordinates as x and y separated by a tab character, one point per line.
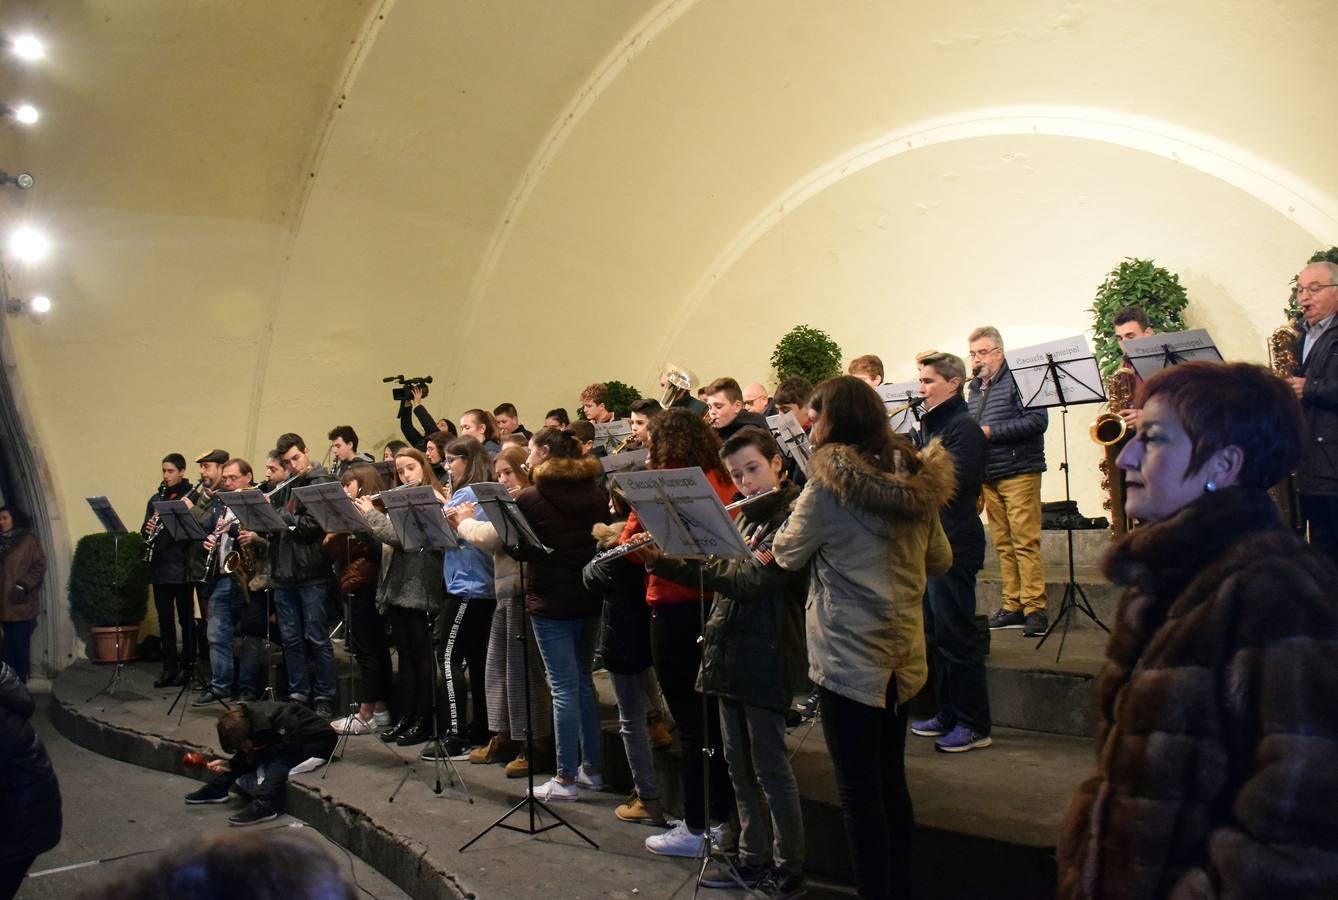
620	399
807	352
1135	282
1293	309
98	599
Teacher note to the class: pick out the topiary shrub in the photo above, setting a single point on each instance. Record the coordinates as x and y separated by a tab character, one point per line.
1293	309
807	352
92	597
1135	282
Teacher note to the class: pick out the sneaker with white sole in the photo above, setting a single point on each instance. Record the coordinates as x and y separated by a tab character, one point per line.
354	724
310	764
552	790
381	719
961	739
929	727
678	841
590	781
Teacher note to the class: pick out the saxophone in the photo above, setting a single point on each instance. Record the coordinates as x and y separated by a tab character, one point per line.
1110	431
1283	360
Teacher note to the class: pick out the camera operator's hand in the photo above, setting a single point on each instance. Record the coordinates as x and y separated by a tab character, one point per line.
219	766
417	395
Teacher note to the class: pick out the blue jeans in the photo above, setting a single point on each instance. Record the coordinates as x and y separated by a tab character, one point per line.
955	650
224	607
305	629
17	646
568	649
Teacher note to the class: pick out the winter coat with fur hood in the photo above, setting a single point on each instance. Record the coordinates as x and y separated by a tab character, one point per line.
1217	736
562	505
870	538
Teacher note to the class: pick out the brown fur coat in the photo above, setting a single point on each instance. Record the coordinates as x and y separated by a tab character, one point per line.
1217	770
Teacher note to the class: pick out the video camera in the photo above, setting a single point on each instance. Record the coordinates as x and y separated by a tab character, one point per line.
405	390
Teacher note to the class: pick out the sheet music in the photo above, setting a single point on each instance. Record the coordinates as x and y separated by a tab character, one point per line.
1151	354
792	437
178	521
627	461
609	435
902	402
1075	369
332	508
680	509
505	516
253	510
415	514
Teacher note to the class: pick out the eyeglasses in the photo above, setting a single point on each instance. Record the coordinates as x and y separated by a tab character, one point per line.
975	354
1312	288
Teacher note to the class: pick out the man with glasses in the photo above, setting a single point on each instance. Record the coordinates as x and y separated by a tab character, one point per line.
226	599
1316	384
755	399
1014	461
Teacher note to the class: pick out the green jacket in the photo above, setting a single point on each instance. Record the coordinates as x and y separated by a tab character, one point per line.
753	649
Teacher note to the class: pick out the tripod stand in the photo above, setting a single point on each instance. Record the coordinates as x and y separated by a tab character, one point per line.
519	540
440	755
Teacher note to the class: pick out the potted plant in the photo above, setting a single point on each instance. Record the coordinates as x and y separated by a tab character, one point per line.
109	592
1135	282
807	352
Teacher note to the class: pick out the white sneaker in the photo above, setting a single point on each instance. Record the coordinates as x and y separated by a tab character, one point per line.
381	719
310	764
354	724
590	781
677	841
552	789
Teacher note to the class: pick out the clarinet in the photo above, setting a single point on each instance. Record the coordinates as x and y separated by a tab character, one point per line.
153	529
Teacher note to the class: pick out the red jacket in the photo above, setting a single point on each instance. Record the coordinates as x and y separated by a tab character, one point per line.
662	590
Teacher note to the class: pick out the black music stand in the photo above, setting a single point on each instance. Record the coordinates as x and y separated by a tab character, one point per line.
1061	382
112	524
415	514
521	543
254	513
181	526
683	513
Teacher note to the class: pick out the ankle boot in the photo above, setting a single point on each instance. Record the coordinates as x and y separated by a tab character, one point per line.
404	724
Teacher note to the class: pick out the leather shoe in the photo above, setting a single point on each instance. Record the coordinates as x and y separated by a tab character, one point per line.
420	733
403	725
168	678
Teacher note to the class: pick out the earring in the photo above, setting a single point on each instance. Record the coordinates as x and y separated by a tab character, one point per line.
1209	487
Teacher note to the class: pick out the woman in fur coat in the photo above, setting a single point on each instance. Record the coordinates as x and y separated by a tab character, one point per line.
1217	737
867	526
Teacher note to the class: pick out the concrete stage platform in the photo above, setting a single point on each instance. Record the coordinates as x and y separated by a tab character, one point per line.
986	819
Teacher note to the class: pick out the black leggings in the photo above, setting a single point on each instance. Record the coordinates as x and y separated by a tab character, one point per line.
462	640
868	750
367	642
674	628
413	638
173	603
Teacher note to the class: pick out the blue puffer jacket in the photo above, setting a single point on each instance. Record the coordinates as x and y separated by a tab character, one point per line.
1016	444
467	569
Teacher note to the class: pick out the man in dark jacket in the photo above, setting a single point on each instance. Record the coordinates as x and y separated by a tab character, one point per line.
1317	385
724	405
1014	461
31	820
170	576
963	718
268	742
303	580
754	660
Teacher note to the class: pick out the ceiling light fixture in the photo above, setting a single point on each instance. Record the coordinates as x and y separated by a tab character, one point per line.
28	48
29	245
37	306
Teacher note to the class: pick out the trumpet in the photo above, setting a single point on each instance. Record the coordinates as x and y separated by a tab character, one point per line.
622	445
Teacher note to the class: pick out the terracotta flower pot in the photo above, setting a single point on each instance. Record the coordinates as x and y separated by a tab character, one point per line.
105	643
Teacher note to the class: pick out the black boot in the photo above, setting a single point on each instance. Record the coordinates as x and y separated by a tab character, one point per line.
404	724
168	678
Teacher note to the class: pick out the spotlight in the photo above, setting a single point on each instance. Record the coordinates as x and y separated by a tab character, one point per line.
26	113
28	48
36	307
29	245
22	180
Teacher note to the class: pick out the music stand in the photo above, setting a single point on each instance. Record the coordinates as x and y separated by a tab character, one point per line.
111	524
609	435
1150	355
626	461
521	543
792	438
415	514
1061	373
683	513
181	526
